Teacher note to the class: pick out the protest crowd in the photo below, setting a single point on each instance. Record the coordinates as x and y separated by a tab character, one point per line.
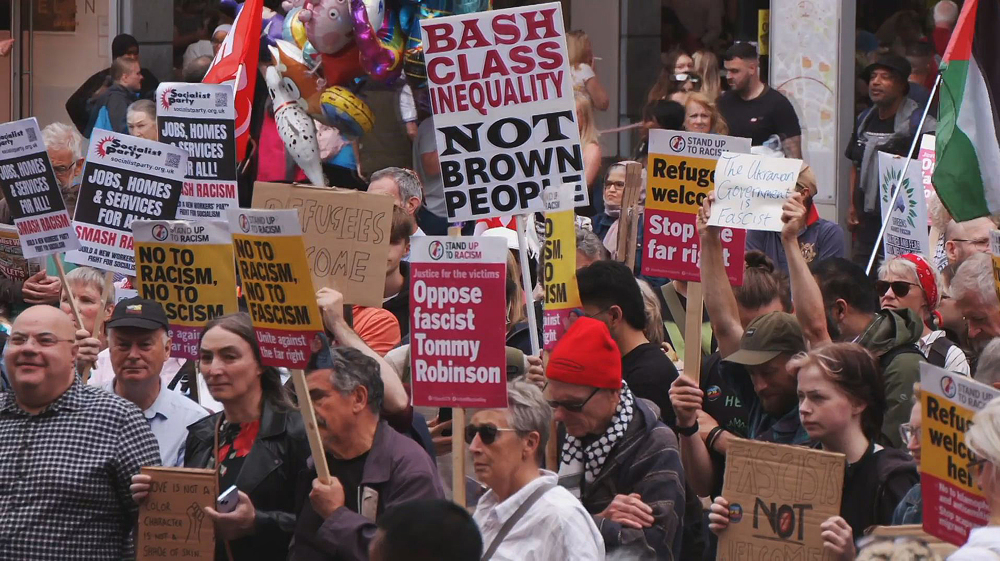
225	337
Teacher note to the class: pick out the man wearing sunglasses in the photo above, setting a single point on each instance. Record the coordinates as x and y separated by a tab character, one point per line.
525	509
619	460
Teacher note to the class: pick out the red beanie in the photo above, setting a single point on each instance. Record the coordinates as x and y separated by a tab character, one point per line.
587	356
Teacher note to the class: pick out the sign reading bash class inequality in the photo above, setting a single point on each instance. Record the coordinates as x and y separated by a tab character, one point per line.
188	267
953	502
200	118
271	262
346	234
778	497
457	333
679	175
504	109
125	179
32	193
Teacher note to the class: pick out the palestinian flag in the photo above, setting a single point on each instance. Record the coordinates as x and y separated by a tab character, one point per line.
967	174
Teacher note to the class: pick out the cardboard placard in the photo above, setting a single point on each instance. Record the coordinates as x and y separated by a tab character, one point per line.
928	159
907	230
953	501
562	295
187	267
271	262
679	175
13	265
995	253
778	497
346	234
200	118
172	524
504	110
750	191
32	192
125	178
458	319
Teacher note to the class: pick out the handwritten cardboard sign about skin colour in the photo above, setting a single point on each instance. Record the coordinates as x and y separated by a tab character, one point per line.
778	497
172	524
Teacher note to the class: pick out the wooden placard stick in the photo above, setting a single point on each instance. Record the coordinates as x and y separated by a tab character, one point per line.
629	213
109	282
312	430
692	331
57	259
457	435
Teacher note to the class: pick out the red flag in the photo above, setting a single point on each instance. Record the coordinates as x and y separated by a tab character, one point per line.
236	64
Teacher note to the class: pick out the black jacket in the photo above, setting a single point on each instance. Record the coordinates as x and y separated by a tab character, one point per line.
116	98
268	476
76	105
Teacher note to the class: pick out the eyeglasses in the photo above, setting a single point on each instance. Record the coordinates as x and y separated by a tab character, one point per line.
487	433
43	340
908	431
899	288
573	407
63	170
981	242
620	185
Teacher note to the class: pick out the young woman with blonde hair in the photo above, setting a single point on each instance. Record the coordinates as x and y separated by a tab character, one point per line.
581	69
706	64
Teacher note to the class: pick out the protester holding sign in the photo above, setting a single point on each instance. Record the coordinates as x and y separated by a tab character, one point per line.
258	438
87	286
638	506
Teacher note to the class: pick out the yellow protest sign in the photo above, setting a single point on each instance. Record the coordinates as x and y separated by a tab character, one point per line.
562	296
186	266
953	501
271	261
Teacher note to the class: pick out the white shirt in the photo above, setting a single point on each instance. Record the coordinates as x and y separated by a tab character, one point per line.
580	74
955	361
555	527
983	545
169	417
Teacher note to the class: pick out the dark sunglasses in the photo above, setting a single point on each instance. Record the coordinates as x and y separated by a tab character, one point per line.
899	288
487	433
573	407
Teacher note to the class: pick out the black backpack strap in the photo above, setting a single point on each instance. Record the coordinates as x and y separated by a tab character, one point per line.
938	353
885	360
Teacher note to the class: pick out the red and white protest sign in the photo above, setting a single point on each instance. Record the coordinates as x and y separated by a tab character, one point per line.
125	178
504	110
200	118
680	174
32	193
928	158
458	319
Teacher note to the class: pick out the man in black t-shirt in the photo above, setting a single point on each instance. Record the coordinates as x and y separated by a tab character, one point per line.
610	293
752	109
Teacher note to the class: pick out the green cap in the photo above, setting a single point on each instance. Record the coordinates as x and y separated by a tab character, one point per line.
768	336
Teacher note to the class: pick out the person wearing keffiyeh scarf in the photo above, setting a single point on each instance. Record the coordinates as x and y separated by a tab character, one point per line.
617	458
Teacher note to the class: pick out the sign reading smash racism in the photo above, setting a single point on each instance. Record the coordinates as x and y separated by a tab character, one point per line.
31	191
562	295
188	267
953	501
271	262
199	118
125	179
778	497
13	264
504	110
681	173
457	288
907	231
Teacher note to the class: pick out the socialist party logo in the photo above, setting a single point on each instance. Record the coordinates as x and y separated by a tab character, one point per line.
109	146
170	96
160	232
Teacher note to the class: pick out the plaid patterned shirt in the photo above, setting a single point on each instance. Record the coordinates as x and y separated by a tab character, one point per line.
65	473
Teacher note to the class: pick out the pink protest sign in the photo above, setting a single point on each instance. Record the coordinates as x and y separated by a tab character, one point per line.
458	321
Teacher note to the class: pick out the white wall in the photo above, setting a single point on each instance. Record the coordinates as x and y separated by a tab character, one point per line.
600	19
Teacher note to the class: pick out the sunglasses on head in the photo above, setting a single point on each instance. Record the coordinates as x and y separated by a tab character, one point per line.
487	433
899	288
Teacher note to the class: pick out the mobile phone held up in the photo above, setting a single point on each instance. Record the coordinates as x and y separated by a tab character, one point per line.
227	501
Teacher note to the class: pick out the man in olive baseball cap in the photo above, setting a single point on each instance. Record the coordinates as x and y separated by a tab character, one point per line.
767	345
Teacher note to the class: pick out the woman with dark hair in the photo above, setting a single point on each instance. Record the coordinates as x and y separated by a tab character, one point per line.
841	405
257	443
675	63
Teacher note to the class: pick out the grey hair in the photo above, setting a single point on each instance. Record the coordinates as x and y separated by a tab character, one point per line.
93	278
405	179
352	368
975	277
143	106
904	267
60	136
165	338
590	245
988	366
946	12
527	412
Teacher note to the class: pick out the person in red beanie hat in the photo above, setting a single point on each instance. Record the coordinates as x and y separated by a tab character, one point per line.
637	505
